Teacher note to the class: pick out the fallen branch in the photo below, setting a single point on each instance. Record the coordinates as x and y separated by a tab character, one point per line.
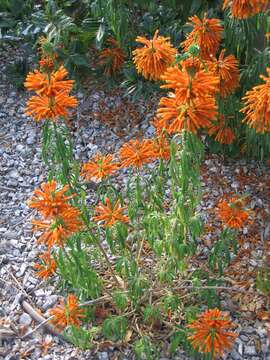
35	315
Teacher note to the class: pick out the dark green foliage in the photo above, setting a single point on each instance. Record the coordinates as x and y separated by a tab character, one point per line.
263	280
115	327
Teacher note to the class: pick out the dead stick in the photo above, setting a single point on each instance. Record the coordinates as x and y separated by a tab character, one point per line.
45	321
40	319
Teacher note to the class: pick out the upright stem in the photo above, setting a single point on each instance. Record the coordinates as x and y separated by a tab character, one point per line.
98	244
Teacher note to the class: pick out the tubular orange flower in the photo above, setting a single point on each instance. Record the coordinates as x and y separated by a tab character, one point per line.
49	201
243	9
161	147
46	107
206	34
187	86
192	64
210	333
232	213
49	85
110	214
112	57
154	57
176	115
257	106
135	153
223	134
99	168
226	69
68	313
158	124
47	63
48	266
57	230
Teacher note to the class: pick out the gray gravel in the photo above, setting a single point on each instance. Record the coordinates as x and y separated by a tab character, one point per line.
21	171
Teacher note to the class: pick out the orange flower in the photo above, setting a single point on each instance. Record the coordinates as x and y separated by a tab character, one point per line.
46	107
49	201
161	147
99	168
233	213
110	214
226	69
47	58
223	134
68	313
206	34
158	123
187	86
176	115
48	267
243	9
135	153
210	333
154	57
257	106
49	85
191	64
57	230
112	58
47	63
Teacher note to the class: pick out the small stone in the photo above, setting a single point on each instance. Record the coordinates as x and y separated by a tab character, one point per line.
30	140
103	356
10	235
25	319
40	292
262	332
250	350
22	270
244	338
50	302
240	348
14	174
265	349
235	355
19	148
249	330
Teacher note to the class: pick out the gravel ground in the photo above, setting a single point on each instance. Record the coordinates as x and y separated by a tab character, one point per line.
21	171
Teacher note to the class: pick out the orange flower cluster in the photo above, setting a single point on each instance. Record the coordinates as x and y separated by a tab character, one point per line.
161	147
242	9
232	213
68	313
112	58
223	134
99	168
135	153
206	34
189	86
192	105
110	214
49	201
210	333
175	115
52	100
51	85
47	60
48	266
257	106
226	69
154	57
61	219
